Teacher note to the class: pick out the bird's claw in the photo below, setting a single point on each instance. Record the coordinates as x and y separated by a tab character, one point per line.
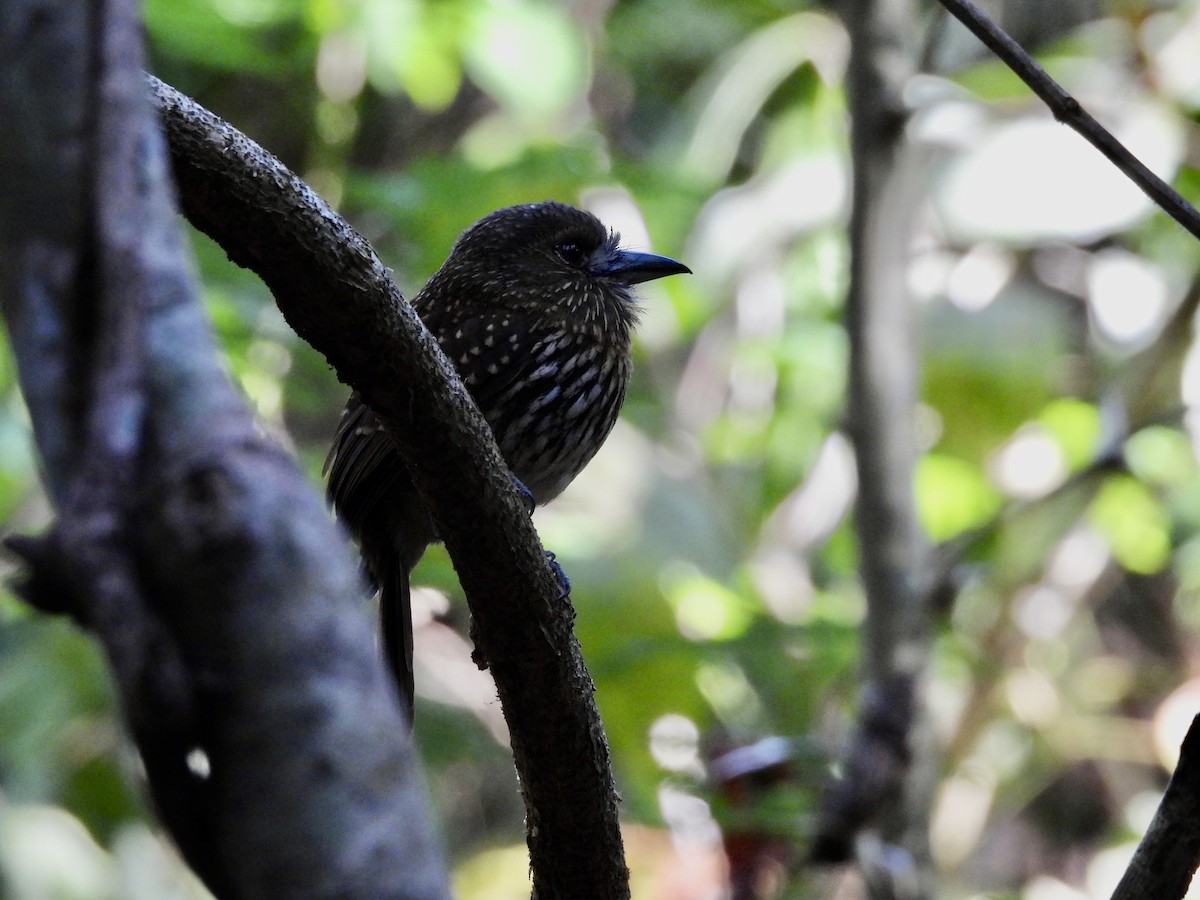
563	581
526	494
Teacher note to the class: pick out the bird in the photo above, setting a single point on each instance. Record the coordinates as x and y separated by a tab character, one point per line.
534	307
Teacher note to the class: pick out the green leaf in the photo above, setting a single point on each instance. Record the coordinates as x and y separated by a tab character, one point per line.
529	56
953	495
1134	523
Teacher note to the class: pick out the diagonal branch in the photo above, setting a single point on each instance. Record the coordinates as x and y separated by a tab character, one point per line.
338	296
1167	857
1067	110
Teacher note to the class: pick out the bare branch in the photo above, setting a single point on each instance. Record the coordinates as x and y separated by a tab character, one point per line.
1067	110
192	548
338	296
883	786
1167	858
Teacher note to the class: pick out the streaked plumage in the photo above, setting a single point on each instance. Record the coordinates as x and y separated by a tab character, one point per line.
534	308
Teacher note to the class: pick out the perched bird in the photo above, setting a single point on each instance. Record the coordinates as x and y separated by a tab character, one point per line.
534	308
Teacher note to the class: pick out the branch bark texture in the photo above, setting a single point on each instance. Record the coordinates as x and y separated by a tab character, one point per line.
190	546
338	296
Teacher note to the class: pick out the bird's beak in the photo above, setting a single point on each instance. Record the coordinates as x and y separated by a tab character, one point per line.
633	268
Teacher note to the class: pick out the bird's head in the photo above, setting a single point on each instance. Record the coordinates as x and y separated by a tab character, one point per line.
551	257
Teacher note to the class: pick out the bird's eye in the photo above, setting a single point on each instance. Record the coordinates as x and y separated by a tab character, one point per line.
571	254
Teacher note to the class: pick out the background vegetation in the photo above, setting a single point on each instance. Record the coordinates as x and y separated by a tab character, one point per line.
710	546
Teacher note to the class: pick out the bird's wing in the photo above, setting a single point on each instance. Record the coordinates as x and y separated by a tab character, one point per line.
362	463
492	355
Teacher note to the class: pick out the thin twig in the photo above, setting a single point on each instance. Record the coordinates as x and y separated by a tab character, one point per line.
1068	110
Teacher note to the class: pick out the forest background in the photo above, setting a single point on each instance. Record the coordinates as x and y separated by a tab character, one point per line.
712	548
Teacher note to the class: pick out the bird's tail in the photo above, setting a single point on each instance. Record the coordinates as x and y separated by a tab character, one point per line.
395	620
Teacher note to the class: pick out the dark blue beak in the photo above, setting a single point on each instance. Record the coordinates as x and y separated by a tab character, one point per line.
633	268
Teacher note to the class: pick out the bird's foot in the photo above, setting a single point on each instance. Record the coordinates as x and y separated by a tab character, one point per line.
526	494
563	581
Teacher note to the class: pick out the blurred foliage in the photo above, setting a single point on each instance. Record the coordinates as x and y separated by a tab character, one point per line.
709	545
